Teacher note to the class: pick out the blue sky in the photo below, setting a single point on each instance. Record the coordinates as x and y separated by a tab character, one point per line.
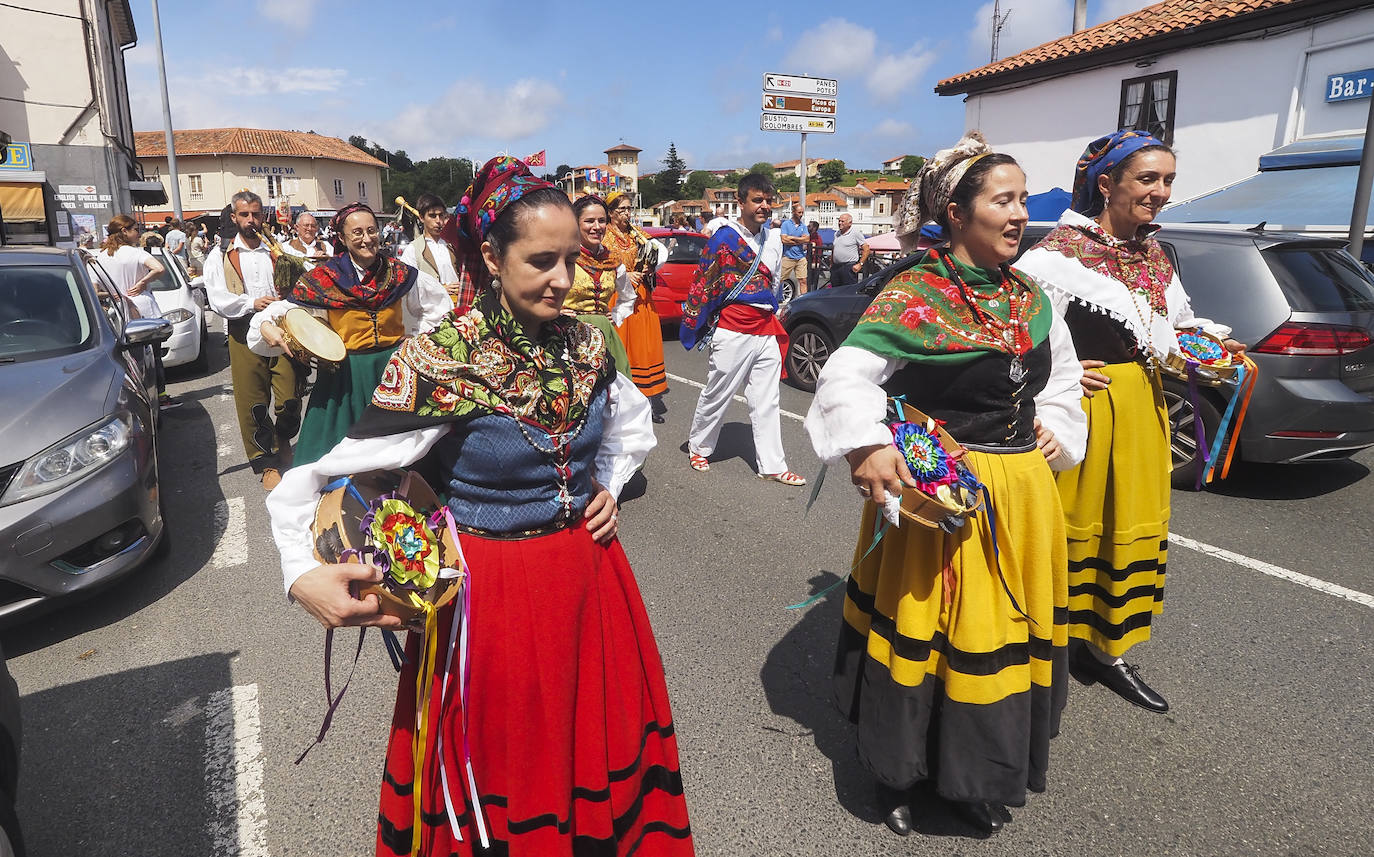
474	79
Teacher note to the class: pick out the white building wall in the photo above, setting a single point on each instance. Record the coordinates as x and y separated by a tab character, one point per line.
1235	102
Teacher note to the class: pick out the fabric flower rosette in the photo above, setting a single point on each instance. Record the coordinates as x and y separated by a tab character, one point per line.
947	490
1204	356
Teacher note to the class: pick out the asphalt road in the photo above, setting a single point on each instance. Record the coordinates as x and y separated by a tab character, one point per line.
164	715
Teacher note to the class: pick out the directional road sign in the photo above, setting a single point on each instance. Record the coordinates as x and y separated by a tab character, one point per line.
808	124
795	84
802	105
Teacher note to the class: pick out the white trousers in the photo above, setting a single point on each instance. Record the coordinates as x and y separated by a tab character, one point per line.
742	358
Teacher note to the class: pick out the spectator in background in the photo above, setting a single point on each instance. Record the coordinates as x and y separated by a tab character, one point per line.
815	253
176	240
151	238
848	253
794	243
199	247
133	270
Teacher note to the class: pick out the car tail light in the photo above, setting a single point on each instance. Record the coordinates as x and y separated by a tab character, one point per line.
1311	339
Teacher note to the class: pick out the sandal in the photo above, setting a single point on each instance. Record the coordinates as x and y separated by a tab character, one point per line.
698	462
787	477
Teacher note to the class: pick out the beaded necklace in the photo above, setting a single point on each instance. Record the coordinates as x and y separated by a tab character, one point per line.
560	455
1012	335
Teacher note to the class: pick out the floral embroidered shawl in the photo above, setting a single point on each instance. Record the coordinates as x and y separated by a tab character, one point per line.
724	260
481	363
921	315
334	284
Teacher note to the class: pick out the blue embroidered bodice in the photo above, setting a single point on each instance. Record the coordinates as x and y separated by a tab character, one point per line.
499	482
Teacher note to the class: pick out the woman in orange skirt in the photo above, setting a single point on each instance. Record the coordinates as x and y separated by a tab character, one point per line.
642	332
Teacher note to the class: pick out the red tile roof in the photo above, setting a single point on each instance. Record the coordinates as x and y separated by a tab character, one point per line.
1170	18
885	186
251	141
623	147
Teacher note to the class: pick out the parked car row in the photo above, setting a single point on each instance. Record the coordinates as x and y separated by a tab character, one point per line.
1303	306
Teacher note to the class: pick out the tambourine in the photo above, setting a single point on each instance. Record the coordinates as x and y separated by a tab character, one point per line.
1212	363
947	488
390	519
308	337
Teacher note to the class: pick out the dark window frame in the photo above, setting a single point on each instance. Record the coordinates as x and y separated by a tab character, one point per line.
1145	106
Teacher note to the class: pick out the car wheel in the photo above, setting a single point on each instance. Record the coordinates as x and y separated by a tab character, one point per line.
1183	433
201	364
787	290
808	347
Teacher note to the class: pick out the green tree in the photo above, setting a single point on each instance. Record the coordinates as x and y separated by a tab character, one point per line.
911	165
762	167
696	184
360	143
670	178
562	170
732	180
790	183
831	173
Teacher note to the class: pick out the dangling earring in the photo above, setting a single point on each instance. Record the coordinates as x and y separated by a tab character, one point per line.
496	284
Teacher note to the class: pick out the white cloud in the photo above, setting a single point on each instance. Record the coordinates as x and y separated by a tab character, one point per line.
291	81
469	111
893	128
296	14
847	51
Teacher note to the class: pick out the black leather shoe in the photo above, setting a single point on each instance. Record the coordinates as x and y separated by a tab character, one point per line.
1123	679
896	807
981	814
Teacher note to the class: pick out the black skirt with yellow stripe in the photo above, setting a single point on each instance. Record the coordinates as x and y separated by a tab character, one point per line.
963	691
1116	505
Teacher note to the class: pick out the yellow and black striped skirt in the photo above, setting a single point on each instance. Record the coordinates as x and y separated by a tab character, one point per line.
1116	508
962	689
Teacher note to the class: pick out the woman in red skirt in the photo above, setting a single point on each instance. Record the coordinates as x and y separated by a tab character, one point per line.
561	741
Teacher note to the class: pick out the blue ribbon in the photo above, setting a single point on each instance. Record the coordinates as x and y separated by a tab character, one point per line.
1215	454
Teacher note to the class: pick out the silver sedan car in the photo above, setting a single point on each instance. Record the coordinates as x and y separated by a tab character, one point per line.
79	501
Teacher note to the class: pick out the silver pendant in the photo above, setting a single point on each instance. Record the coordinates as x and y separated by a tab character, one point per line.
994	303
1017	373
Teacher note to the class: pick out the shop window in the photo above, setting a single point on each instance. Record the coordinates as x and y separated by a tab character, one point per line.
1147	104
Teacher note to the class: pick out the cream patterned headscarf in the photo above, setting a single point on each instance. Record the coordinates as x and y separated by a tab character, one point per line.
934	185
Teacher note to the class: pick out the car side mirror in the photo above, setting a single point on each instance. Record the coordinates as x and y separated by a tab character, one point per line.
145	331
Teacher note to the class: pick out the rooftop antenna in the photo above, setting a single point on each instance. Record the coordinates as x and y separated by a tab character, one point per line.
998	22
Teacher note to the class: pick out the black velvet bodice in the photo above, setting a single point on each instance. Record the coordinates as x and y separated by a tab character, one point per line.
1098	336
976	399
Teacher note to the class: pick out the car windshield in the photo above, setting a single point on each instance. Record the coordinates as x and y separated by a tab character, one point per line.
684	248
1325	279
42	312
166	281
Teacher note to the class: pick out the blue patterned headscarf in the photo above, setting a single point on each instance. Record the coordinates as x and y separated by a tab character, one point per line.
1102	156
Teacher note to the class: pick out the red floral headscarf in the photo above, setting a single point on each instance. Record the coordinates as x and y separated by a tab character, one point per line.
500	182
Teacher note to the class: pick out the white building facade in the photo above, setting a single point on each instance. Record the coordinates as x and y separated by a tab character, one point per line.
1222	91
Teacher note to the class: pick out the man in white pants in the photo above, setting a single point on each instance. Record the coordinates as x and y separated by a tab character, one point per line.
741	324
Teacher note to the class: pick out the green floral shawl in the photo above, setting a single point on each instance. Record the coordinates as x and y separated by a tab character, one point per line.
921	315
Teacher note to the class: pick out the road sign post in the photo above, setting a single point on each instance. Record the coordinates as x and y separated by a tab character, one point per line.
802	104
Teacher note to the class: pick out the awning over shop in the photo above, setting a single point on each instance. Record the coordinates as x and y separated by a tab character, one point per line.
1308	185
147	193
21	196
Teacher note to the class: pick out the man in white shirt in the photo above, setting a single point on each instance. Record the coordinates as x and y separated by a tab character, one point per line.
238	282
433	255
176	240
307	244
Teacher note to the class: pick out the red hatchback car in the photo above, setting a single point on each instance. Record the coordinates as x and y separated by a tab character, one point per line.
675	274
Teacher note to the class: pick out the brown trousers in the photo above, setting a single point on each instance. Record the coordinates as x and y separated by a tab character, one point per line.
266	428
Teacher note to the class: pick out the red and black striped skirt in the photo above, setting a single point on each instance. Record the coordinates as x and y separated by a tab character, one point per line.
568	723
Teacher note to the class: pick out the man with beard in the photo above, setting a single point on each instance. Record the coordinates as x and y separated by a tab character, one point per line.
267	390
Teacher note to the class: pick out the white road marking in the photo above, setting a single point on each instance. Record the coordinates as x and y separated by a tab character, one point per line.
234	773
231	531
226	392
799	418
1272	570
224	440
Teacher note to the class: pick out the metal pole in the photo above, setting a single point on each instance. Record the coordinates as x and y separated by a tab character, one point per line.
1080	15
1360	214
803	174
167	117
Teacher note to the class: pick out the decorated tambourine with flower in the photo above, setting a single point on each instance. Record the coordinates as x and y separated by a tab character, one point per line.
390	519
1206	355
947	490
